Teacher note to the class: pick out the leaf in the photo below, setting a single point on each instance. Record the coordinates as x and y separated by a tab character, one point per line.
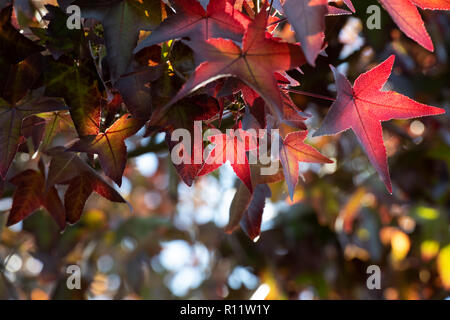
307	17
349	4
362	108
432	4
135	91
32	127
77	83
57	38
255	64
110	146
30	195
43	128
219	20
231	147
185	112
252	218
11	117
443	266
67	168
122	21
182	116
289	113
408	19
247	208
55	122
20	78
292	150
14	47
331	11
80	188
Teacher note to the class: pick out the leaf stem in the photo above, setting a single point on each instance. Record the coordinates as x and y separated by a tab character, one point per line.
313	95
276	22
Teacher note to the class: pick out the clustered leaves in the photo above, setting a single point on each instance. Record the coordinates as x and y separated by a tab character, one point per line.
163	66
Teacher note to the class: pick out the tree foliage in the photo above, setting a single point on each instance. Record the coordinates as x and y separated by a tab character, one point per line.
78	106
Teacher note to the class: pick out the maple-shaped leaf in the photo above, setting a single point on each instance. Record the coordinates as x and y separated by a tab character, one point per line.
219	20
293	150
56	37
19	78
362	108
255	64
135	90
55	122
289	114
110	146
307	17
67	168
14	46
43	128
77	83
79	190
247	208
331	10
11	117
122	21
185	112
182	116
33	128
231	147
31	195
408	19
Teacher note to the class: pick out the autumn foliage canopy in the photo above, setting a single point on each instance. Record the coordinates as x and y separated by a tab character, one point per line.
148	66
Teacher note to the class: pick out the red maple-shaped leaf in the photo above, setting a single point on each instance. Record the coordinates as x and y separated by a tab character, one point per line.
219	20
289	113
67	168
183	116
362	108
293	150
80	188
408	19
247	209
31	195
255	64
231	147
307	17
110	146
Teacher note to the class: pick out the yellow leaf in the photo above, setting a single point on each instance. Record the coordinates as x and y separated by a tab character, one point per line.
443	264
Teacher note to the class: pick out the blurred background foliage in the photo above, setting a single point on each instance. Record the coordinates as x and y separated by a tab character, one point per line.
172	245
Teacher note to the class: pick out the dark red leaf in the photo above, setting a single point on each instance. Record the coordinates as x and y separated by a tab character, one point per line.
30	195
